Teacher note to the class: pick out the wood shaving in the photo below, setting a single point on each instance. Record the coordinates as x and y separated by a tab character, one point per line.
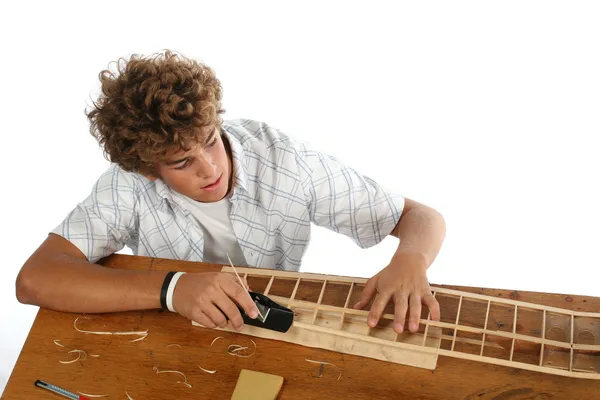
238	348
94	355
215	339
80	353
138	339
58	344
174	344
69	362
139	333
206	370
185	382
326	363
128	396
92	395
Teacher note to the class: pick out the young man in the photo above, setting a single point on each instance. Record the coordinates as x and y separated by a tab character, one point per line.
186	185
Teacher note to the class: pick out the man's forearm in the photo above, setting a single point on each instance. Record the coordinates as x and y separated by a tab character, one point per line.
421	231
67	283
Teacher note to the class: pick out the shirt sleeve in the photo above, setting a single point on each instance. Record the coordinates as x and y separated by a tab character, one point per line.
105	221
343	200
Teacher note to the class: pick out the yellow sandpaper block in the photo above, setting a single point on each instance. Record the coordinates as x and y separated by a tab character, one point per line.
254	385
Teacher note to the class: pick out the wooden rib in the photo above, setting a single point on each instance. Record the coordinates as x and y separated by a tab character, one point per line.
457	319
319	301
512	345
343	313
475	296
543	338
295	289
487	314
426	326
266	293
586	347
572	342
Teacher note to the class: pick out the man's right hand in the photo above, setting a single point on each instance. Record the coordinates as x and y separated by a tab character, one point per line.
208	297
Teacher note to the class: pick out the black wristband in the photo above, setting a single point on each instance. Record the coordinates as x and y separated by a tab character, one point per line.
165	288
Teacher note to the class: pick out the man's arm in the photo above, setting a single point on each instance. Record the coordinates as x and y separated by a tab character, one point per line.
421	231
58	276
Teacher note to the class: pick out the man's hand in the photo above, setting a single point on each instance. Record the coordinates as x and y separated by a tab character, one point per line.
208	297
405	281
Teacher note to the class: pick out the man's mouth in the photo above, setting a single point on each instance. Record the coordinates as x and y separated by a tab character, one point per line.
213	185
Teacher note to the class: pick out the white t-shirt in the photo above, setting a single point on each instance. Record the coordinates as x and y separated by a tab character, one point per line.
219	238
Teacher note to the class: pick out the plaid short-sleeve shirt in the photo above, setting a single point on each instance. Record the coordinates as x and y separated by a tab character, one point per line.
281	187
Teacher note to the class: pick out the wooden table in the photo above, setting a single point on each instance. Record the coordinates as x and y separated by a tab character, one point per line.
174	344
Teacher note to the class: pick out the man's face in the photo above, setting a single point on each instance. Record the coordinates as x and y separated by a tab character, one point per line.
203	173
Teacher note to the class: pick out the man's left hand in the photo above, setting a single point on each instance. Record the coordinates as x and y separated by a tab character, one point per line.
405	281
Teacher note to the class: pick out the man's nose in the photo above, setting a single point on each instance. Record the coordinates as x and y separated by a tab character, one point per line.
206	168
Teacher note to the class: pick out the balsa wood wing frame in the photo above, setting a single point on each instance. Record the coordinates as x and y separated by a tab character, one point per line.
474	327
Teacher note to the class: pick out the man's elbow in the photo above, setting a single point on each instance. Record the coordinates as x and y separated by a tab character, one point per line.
26	287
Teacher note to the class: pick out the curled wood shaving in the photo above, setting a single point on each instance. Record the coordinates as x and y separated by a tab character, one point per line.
232	352
72	361
138	339
325	363
94	355
92	395
215	339
206	370
139	333
174	344
128	396
185	382
80	352
58	344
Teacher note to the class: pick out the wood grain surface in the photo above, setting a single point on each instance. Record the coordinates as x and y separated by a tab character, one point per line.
174	344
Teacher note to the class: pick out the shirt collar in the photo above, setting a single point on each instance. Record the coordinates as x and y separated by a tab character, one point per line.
240	172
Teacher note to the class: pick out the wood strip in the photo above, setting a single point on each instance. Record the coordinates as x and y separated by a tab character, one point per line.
457	320
266	293
295	289
319	301
426	326
512	345
543	337
487	314
346	305
572	342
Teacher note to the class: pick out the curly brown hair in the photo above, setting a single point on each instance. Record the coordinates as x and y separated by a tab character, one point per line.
153	107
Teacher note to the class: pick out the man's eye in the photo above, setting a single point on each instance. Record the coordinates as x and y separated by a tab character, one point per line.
182	166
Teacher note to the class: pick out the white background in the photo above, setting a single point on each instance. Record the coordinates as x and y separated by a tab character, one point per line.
488	113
